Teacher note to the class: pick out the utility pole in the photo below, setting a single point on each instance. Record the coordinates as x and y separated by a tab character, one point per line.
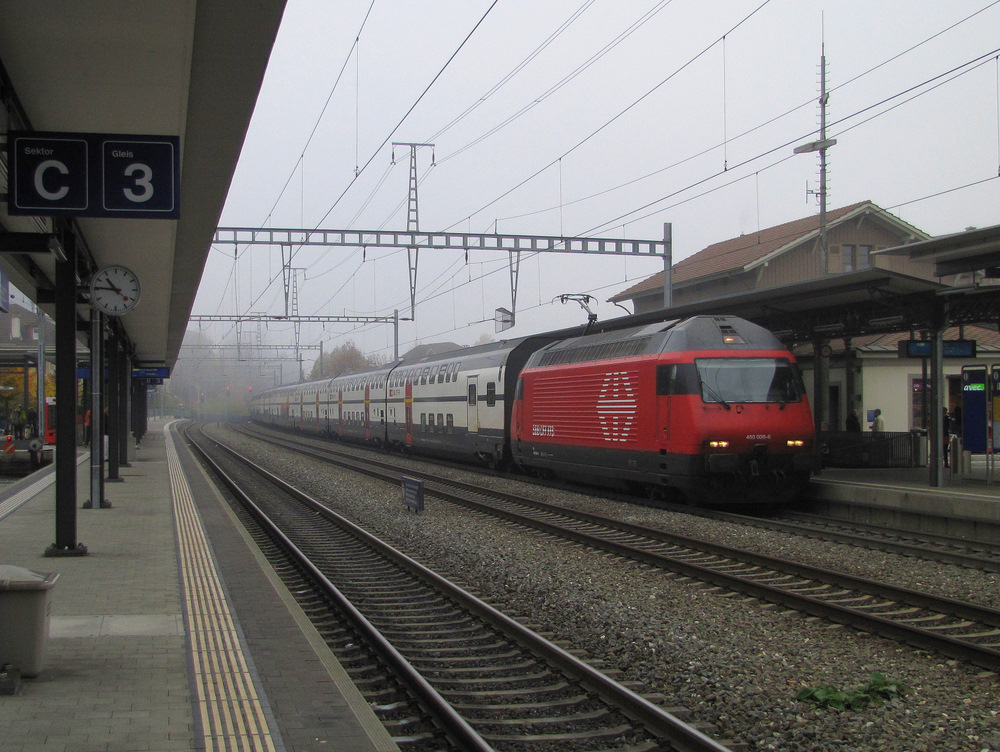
821	410
821	146
412	218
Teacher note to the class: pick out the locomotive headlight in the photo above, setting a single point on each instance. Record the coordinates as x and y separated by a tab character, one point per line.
718	444
795	443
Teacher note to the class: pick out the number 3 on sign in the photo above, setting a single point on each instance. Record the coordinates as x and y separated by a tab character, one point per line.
144	181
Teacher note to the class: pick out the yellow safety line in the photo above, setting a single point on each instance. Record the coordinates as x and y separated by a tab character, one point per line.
232	717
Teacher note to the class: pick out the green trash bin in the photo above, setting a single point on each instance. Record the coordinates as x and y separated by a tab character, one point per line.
24	617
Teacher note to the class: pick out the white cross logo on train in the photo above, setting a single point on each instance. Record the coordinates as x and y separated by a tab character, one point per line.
616	406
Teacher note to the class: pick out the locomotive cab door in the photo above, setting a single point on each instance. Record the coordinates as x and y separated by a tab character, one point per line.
473	391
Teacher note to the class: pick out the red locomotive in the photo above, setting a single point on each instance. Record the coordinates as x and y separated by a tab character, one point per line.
712	406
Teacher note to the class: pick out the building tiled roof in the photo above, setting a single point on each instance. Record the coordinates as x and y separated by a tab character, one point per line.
741	252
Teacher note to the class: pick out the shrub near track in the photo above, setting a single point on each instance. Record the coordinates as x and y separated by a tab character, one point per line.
878	689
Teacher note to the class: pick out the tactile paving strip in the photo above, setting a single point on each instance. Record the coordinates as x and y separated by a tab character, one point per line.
226	700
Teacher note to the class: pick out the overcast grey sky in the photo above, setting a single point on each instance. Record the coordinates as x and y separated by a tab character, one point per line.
591	117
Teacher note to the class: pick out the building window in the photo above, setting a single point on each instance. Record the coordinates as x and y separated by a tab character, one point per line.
855	257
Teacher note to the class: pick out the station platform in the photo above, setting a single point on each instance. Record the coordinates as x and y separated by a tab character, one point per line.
967	504
171	633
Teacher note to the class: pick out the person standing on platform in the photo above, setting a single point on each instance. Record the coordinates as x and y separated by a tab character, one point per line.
878	423
853	422
946	431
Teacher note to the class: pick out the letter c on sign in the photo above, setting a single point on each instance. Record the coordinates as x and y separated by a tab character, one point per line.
50	164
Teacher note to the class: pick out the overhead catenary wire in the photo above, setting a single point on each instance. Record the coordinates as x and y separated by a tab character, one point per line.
858	124
391	133
957	71
622	112
722	144
511	74
535	101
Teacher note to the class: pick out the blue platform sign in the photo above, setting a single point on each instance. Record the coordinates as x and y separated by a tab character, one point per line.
93	175
156	372
975	416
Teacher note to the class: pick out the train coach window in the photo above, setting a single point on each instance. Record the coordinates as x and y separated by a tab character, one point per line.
440	423
472	394
430	422
433	377
491	394
423	422
423	375
441	374
677	378
451	423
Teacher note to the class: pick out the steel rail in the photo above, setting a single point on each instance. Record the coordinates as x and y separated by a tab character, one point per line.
440	708
983	656
683	737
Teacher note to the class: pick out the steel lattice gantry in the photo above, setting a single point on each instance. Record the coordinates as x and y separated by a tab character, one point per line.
514	245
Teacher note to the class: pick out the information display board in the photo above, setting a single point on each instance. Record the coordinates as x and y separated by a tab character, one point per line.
975	418
950	348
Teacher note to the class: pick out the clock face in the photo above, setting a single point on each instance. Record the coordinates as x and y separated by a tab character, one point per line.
114	290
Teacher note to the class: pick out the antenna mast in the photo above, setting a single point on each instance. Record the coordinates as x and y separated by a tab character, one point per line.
821	146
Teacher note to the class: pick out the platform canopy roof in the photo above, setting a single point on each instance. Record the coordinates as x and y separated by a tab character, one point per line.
186	69
976	249
852	304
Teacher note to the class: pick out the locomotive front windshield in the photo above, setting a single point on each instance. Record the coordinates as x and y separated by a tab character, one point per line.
726	380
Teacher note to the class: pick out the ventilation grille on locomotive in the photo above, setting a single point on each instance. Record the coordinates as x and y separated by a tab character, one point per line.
603	351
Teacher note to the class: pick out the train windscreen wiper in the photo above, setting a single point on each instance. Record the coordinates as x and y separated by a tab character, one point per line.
712	393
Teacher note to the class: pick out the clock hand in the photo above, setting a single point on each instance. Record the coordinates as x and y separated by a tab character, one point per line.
112	288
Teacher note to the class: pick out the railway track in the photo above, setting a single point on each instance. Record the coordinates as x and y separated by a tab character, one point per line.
953	628
945	549
963	552
464	675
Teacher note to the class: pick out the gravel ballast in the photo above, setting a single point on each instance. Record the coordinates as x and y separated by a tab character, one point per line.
735	663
